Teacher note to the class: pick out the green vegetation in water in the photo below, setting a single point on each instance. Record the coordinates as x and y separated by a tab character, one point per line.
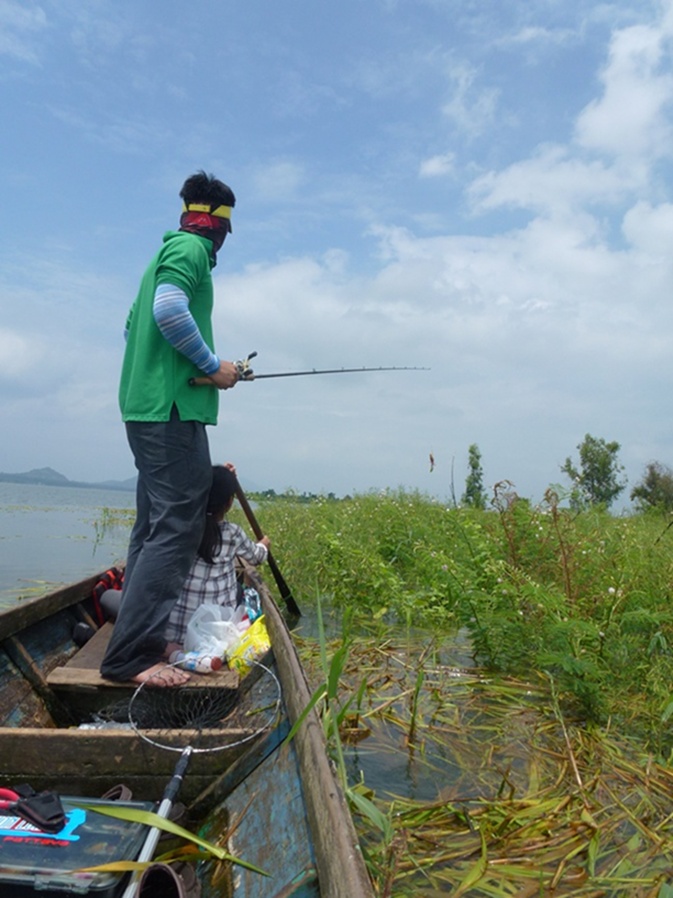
585	597
525	802
550	760
30	589
111	520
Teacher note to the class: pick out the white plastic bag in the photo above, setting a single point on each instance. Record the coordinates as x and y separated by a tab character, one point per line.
212	629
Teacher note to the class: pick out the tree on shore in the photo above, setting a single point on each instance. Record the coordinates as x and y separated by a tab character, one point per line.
474	494
655	490
597	479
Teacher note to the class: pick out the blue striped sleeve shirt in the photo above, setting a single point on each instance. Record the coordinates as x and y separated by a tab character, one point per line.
177	325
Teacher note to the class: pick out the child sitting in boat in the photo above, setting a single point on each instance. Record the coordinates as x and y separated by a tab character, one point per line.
212	577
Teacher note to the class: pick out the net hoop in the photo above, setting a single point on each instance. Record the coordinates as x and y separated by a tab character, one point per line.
202	707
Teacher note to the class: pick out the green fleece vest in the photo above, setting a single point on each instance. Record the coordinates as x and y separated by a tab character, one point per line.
154	374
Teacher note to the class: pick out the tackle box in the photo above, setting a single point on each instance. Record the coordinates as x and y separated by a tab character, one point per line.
36	864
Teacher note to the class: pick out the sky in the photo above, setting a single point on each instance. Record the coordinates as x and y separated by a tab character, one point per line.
476	187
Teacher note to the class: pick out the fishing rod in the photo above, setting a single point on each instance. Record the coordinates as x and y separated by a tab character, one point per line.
245	372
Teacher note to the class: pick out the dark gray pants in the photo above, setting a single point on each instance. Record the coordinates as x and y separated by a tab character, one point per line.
174	477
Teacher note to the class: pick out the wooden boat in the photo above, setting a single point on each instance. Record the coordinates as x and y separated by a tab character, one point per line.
278	803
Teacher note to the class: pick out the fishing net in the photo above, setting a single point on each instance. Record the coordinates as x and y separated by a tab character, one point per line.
201	715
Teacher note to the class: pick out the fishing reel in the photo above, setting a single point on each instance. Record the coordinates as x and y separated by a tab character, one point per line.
245	372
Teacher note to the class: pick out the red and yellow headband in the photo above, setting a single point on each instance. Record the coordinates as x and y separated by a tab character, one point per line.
217	211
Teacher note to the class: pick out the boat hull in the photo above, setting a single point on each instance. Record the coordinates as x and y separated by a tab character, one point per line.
273	803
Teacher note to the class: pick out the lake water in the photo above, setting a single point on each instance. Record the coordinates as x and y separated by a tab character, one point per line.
55	535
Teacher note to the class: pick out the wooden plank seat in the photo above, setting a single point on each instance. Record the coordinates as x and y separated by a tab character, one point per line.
81	673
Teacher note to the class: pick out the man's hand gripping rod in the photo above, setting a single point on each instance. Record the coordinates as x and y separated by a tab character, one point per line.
245	372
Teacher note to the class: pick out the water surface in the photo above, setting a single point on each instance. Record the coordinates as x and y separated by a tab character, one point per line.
55	535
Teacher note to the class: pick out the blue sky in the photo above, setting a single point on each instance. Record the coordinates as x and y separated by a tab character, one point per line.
480	187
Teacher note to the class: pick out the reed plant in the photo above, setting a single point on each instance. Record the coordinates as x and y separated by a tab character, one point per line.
112	520
516	798
544	766
585	596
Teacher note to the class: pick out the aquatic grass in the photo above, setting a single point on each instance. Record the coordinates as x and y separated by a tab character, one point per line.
112	520
586	596
28	589
527	802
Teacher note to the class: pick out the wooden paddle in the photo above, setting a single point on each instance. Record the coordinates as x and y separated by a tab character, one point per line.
283	588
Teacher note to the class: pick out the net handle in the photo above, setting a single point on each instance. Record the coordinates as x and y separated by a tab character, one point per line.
152	838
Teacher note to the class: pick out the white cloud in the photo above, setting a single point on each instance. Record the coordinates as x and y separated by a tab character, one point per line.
630	118
19	22
16	354
536	331
650	229
536	35
553	181
470	108
437	166
617	140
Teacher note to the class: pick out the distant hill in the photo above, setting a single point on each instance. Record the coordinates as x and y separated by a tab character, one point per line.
50	477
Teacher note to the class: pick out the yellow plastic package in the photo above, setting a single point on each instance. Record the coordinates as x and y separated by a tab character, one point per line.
250	647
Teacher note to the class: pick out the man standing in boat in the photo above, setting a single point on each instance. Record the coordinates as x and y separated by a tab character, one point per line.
169	340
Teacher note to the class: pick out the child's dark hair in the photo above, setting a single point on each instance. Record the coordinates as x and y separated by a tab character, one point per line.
221	493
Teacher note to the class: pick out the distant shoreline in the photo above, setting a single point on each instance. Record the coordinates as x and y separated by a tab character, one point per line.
49	477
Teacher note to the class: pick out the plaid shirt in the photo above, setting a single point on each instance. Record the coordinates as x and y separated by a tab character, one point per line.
214	583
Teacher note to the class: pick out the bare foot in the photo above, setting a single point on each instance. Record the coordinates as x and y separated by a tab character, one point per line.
162	676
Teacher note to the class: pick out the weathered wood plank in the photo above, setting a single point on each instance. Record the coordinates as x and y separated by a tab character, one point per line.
30	611
341	867
24	662
81	672
89	751
89	657
86	680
